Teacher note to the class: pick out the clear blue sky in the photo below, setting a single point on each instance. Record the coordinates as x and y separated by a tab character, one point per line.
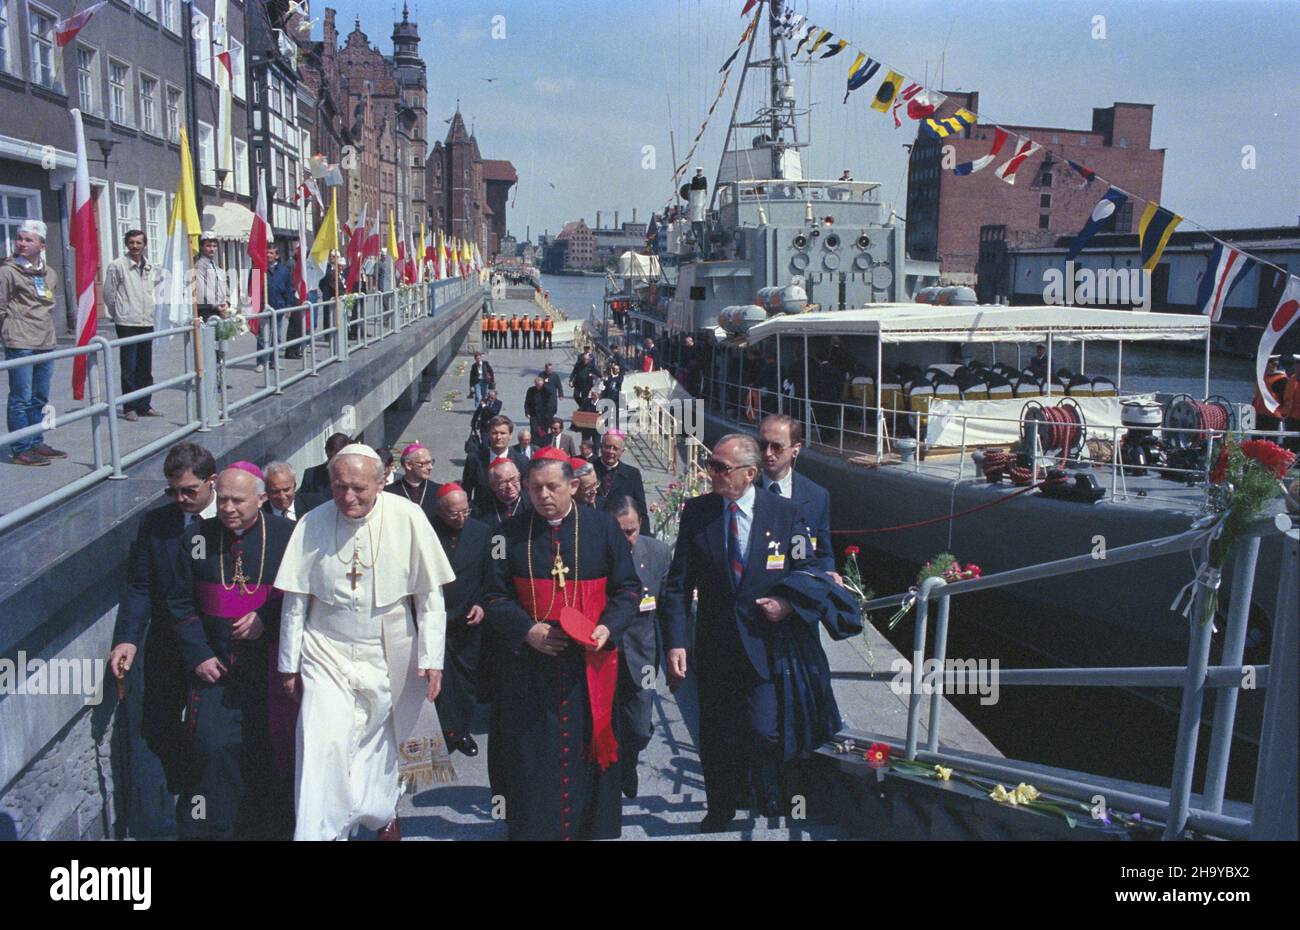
582	86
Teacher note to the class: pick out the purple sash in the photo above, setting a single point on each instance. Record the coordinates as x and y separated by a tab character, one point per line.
216	601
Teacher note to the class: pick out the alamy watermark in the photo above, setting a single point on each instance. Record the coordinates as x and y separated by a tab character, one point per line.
685	417
953	676
34	675
1097	287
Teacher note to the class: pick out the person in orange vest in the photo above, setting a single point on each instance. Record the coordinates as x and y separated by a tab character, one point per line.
526	331
485	333
1276	381
536	325
501	332
514	331
549	325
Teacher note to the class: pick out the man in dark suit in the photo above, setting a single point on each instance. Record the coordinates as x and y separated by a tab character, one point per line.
734	547
551	377
415	484
282	495
474	478
583	377
156	693
506	498
467	543
640	646
616	477
525	445
780	440
316	480
487	408
540	404
481	377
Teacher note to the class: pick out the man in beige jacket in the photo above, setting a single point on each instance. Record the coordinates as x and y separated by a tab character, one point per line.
129	286
29	291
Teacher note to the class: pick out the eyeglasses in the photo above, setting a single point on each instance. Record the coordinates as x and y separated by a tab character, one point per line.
721	468
774	446
191	492
458	513
419	463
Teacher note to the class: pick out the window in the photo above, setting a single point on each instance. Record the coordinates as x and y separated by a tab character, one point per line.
202	38
119	76
147	8
1042	221
88	81
174	114
128	209
1045	180
155	203
5	63
41	27
1123	143
237	68
149	104
170	15
1083	140
1045	201
207	156
16	204
241	167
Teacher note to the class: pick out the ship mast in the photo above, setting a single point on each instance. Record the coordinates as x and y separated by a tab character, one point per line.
778	118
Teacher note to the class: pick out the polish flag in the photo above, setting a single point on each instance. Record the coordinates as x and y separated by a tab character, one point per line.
257	255
356	249
65	30
85	243
224	58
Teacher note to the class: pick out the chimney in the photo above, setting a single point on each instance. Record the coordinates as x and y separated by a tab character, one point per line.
616	226
598	219
634	214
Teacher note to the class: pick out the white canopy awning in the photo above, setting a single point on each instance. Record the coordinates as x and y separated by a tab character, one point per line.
897	323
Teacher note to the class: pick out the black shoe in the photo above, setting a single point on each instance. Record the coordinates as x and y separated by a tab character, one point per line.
466	746
717	821
630	781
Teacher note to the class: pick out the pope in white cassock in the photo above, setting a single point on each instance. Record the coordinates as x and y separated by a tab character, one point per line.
361	645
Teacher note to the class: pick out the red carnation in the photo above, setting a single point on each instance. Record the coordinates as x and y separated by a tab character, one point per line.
877	755
972	570
1220	469
851	550
1269	454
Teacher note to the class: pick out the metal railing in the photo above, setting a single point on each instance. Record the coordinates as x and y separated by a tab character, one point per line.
368	320
747	403
931	675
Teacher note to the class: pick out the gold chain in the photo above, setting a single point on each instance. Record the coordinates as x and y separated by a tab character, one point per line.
238	580
531	589
423	491
374	553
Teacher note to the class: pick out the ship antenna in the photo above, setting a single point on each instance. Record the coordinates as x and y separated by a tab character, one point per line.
740	88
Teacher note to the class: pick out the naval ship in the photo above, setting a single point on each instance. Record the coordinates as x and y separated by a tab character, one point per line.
782	277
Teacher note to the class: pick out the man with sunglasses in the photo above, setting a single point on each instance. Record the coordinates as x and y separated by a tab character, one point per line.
155	694
780	440
736	547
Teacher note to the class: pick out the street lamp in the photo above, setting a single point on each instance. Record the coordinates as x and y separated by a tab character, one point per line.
106	147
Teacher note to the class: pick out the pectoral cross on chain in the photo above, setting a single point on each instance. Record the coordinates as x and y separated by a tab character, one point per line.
559	570
355	574
239	577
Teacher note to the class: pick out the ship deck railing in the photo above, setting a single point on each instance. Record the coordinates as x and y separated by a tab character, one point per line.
850	425
1273	805
203	368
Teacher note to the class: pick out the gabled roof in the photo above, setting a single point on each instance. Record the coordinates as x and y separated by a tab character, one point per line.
496	169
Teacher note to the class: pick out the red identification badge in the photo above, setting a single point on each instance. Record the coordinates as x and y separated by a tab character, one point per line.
575	623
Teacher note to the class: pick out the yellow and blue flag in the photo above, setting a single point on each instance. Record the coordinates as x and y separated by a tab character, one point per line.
1154	230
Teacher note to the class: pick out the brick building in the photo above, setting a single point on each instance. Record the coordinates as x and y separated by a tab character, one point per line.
498	177
953	218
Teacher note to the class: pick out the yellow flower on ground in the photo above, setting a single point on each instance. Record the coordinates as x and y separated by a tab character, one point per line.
944	773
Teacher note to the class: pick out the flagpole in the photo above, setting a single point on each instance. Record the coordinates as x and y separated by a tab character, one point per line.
338	303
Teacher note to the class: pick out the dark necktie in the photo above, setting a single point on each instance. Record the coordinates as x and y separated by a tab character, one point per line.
609	480
776	488
734	555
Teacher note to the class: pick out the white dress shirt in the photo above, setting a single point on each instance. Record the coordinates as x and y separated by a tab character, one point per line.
744	519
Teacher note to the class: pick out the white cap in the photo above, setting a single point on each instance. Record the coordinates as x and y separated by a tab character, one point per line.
358	448
35	227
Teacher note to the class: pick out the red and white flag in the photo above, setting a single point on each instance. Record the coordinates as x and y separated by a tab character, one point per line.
224	58
85	243
356	250
257	256
1026	148
1287	312
65	30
